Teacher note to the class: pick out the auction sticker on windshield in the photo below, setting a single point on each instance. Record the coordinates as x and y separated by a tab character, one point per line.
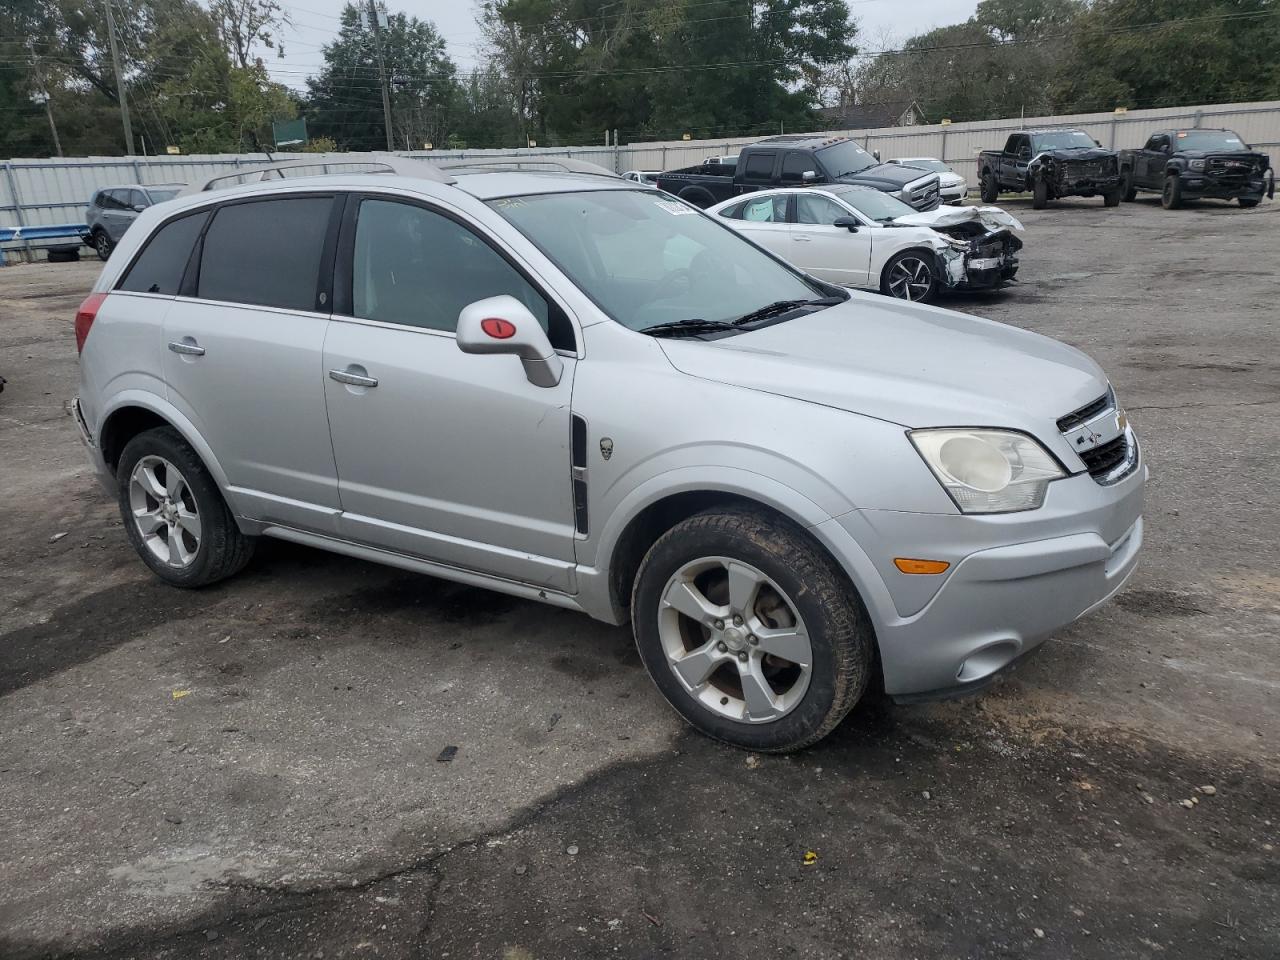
674	207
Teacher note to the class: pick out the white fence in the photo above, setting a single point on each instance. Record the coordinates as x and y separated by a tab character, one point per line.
52	192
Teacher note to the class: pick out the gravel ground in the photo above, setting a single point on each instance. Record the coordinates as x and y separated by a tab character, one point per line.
251	770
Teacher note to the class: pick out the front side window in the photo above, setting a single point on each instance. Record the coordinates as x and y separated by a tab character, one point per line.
137	199
419	268
160	266
794	166
759	166
266	252
648	260
817	209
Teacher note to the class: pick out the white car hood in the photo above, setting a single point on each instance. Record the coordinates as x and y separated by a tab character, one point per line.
993	218
909	364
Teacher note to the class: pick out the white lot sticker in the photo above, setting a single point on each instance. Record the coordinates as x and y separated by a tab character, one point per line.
674	207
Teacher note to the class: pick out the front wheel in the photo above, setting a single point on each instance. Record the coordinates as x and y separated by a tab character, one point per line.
1130	191
990	189
911	275
750	631
1040	195
1171	198
1112	197
174	514
1248	202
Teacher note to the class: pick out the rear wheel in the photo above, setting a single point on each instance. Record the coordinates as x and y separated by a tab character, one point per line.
1171	198
174	513
989	188
1040	195
911	275
1130	191
750	631
1248	202
102	244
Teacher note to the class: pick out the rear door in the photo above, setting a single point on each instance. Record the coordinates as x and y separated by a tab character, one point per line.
452	457
244	348
832	253
763	218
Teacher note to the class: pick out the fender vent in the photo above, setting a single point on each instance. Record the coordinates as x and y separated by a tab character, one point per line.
579	473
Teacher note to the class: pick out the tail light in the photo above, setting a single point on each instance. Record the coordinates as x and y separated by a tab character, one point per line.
85	317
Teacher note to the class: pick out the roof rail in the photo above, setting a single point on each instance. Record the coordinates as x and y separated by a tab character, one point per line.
483	164
400	166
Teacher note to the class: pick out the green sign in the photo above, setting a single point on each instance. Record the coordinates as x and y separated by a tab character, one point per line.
289	133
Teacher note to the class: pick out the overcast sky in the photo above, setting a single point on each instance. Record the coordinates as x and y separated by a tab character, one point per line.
317	21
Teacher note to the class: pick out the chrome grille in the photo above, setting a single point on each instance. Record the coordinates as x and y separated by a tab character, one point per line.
1099	434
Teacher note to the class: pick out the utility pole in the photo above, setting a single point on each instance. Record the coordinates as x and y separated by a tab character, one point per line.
382	74
53	127
115	62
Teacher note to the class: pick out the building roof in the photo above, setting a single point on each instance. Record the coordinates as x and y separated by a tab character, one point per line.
868	116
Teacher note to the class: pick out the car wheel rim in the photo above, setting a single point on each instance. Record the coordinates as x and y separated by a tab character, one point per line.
734	640
910	279
104	245
165	512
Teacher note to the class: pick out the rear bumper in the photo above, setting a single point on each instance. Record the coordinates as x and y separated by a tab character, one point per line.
100	468
1014	581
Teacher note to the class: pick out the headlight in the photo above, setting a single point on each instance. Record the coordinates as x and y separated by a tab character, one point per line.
955	243
988	471
1196	165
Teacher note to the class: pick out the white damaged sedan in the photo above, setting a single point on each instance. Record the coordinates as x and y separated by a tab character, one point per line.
859	237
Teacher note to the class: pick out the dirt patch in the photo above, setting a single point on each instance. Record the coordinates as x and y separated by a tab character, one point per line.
1162	603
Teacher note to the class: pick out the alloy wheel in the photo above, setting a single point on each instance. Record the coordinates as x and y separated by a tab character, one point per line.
102	243
910	279
735	640
165	511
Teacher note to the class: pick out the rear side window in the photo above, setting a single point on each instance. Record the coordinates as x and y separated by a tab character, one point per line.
759	166
163	260
266	252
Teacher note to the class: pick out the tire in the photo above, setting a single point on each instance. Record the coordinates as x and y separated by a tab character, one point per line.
102	244
901	277
989	188
1040	195
699	197
215	550
1248	202
1130	191
1171	196
1113	198
783	563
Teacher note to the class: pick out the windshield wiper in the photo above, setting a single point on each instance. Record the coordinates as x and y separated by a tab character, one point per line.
687	328
782	306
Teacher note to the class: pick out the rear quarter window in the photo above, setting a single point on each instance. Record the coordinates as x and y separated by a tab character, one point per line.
265	252
162	262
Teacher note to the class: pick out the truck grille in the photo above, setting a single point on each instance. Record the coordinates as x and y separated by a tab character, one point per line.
923	196
1228	168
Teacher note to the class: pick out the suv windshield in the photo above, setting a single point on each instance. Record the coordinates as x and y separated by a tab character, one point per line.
843	158
873	204
1207	140
160	196
647	260
1062	140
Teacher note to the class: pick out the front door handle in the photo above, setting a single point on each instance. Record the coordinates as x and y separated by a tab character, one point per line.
353	379
187	347
799	238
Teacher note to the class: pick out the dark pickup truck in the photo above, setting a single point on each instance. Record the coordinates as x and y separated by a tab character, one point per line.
795	161
1190	164
1050	164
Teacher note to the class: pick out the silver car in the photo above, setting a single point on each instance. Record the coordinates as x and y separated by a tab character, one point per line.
112	211
572	389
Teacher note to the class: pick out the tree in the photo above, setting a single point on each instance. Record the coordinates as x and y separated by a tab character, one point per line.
344	101
245	25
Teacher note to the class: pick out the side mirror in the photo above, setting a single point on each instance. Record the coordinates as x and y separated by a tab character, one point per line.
876	154
1097	142
809	176
505	325
139	207
849	223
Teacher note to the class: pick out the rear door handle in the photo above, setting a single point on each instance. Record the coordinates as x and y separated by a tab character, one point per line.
353	379
799	238
187	347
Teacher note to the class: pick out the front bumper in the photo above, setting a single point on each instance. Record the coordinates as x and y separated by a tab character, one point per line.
955	193
1070	186
1015	580
1195	185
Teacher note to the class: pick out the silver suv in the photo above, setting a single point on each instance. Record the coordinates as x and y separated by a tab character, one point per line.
574	389
112	211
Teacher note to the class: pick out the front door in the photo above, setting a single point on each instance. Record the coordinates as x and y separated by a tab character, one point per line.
242	358
832	253
447	456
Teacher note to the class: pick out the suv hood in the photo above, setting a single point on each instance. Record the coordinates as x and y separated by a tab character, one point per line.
906	363
891	175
